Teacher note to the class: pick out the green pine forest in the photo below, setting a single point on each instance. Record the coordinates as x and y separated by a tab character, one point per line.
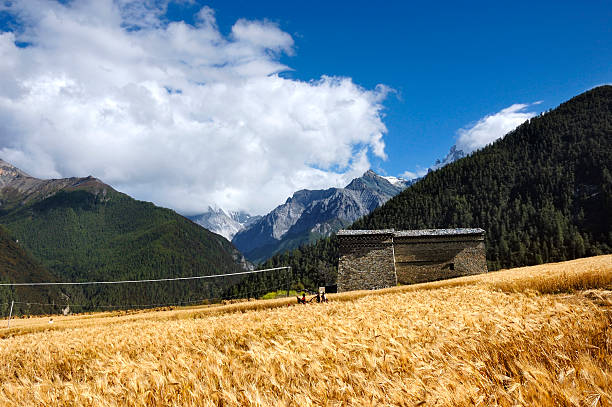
84	235
543	193
16	265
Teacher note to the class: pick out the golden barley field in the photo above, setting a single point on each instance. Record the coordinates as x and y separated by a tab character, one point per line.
531	336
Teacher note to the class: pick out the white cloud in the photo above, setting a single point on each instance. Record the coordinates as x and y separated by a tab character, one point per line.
178	114
491	127
419	172
262	35
483	132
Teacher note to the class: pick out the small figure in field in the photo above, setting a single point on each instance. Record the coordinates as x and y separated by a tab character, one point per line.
318	297
302	300
323	297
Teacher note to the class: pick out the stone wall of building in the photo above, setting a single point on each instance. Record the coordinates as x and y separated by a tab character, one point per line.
383	258
366	262
419	260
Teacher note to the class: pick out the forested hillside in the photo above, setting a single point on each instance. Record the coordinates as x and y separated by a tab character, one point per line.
16	265
543	193
86	231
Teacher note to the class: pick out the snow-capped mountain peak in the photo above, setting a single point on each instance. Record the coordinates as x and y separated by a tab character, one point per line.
453	155
223	222
397	181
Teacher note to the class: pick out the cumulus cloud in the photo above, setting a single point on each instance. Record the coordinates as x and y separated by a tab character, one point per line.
175	113
491	127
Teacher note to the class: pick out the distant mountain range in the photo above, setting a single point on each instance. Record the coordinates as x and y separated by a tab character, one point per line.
543	193
300	220
312	214
224	223
80	229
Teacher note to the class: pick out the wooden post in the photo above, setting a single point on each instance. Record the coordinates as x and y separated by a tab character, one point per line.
8	324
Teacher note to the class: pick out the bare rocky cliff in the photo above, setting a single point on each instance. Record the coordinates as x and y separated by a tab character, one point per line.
312	214
19	188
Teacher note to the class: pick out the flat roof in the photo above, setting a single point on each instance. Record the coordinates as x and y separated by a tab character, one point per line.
439	232
346	232
413	233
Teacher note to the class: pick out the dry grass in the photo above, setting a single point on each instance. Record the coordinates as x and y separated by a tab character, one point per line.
530	336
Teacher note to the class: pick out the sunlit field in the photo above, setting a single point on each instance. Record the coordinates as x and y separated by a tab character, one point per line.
531	336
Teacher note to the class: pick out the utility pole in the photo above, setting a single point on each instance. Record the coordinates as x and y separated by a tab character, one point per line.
288	280
8	324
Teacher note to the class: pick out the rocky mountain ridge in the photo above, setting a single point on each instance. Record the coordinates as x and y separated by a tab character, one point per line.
453	155
312	214
19	188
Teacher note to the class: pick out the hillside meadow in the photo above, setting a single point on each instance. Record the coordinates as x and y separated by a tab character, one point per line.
530	336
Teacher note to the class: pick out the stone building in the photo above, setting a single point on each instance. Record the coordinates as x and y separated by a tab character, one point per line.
371	259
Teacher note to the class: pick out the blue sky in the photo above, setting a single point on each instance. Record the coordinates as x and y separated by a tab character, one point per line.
451	63
229	108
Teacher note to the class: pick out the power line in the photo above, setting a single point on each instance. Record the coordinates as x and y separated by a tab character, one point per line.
58	305
143	281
